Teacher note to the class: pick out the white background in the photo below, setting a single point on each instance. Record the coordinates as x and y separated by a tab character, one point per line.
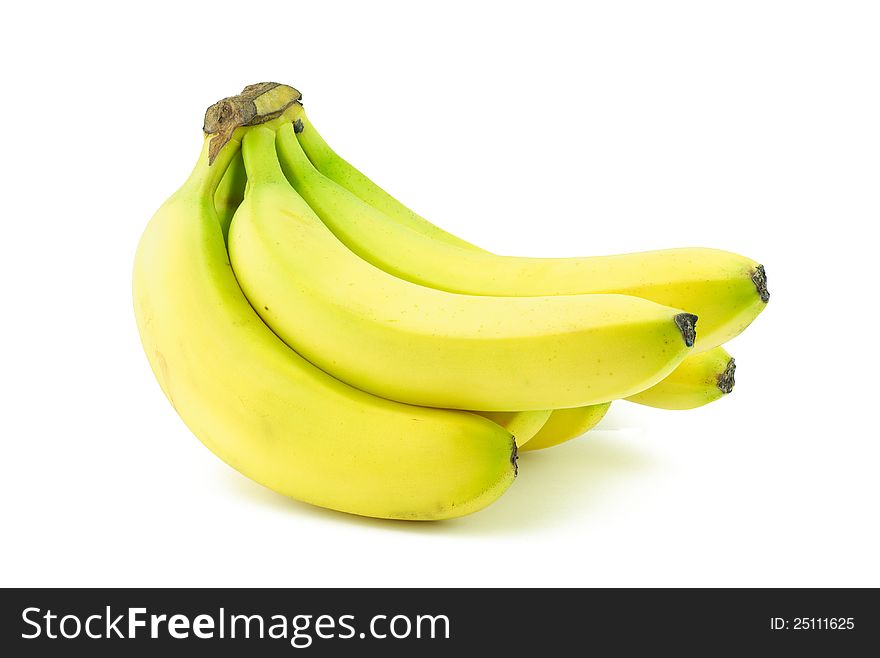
528	128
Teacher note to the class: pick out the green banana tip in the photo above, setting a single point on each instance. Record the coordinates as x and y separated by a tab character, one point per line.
686	323
726	380
759	278
514	457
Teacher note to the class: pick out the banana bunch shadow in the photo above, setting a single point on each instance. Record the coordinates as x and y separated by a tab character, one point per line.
334	346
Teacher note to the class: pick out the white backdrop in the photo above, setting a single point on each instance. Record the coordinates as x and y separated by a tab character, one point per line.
553	128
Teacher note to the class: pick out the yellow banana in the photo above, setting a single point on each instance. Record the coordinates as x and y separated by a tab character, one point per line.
700	379
524	425
274	416
725	290
424	346
566	424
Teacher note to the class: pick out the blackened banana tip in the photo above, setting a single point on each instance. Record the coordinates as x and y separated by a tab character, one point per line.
726	380
686	323
514	455
759	278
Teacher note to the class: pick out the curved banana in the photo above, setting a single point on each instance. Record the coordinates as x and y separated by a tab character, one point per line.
700	379
725	290
524	425
275	417
566	424
424	346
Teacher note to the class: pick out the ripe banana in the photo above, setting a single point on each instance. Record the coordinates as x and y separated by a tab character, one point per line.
524	425
272	415
566	424
424	346
700	379
725	290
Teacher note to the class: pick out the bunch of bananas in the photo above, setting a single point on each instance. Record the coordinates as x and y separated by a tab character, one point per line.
333	345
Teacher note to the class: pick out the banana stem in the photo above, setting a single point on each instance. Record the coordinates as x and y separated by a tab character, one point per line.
206	177
261	159
230	192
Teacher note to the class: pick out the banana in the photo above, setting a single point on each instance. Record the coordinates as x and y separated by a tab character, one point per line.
727	291
700	379
524	425
423	346
566	424
274	416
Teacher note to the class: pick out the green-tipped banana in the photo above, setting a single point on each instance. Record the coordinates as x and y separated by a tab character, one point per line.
423	346
725	290
700	379
566	424
274	416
